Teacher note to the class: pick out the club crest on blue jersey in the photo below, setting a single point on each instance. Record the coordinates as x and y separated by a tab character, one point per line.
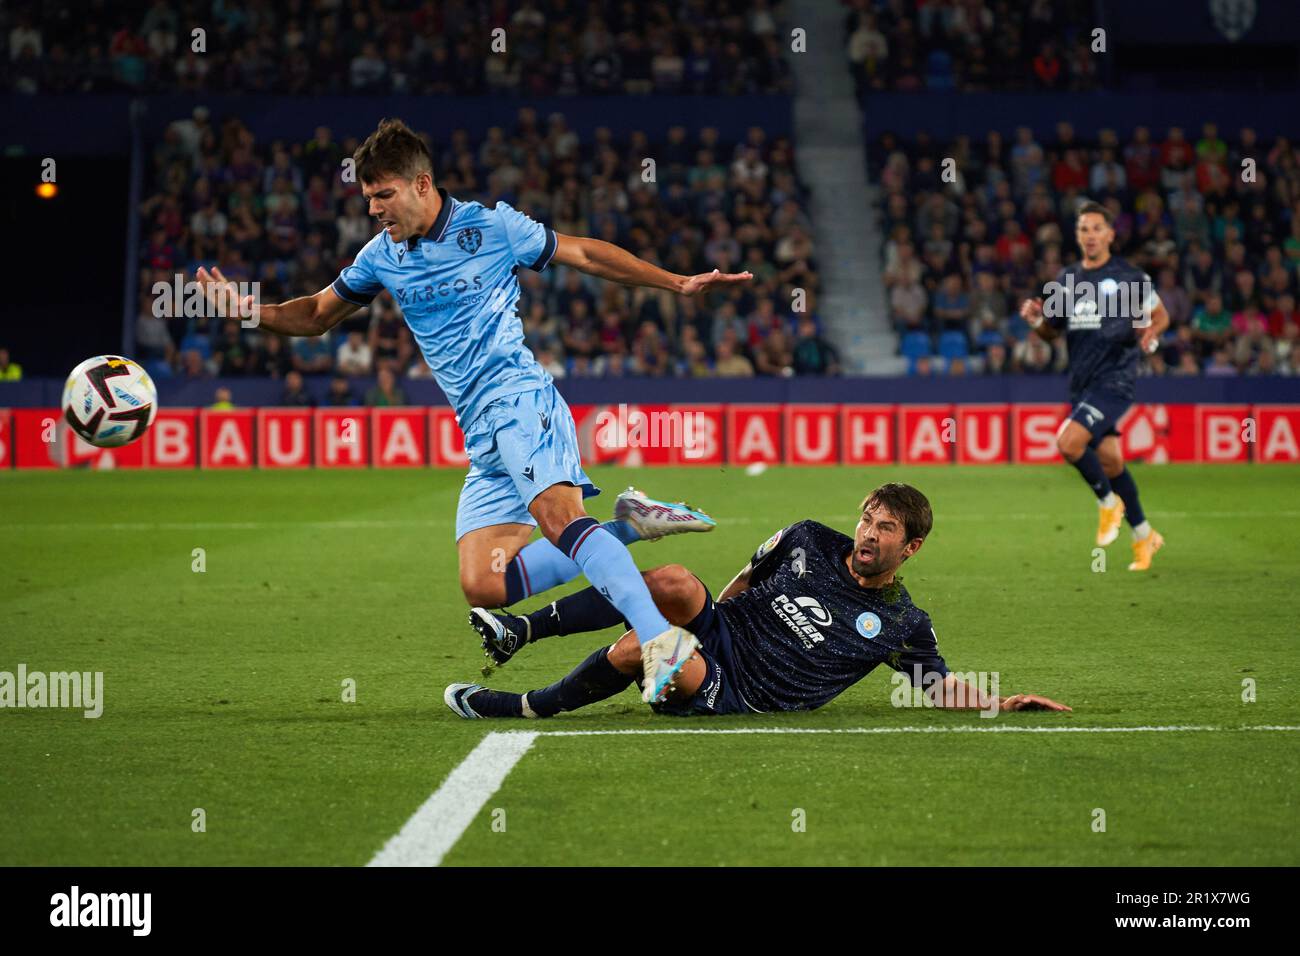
868	625
470	239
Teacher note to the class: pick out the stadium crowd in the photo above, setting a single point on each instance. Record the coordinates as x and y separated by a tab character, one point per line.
1216	225
971	45
428	48
282	215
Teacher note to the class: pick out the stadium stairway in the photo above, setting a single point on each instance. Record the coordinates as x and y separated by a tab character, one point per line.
831	155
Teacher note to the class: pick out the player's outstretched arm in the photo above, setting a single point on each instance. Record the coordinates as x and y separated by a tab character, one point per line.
607	261
308	315
1031	310
958	695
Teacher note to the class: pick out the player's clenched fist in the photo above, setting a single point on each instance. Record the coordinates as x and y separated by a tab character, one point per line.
1031	310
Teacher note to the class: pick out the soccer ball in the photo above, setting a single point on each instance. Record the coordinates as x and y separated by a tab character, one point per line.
109	401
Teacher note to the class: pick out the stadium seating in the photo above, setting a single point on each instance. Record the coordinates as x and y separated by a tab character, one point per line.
1223	253
952	345
398	47
276	212
915	344
977	45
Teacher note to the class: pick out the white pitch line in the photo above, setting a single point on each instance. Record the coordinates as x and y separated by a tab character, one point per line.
387	524
439	822
442	819
902	730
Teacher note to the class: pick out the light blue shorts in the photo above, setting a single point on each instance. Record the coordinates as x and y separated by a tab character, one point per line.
518	447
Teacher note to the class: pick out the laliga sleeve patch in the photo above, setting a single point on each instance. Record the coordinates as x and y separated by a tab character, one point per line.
767	547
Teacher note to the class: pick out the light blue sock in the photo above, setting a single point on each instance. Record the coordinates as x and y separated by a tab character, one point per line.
609	567
540	565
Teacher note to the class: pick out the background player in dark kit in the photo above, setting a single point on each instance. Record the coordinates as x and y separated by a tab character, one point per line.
812	613
1107	329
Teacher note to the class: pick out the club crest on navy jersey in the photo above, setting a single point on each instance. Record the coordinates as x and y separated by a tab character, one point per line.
868	625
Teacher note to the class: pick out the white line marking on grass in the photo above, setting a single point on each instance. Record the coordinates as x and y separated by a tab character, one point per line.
434	828
901	730
442	819
361	524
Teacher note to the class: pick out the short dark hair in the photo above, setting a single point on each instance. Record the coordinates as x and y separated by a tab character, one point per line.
905	503
392	149
1092	206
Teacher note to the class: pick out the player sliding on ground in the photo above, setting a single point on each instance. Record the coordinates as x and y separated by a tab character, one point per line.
811	614
451	268
1111	315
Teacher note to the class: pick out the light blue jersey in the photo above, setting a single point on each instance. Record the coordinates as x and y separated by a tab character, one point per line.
457	288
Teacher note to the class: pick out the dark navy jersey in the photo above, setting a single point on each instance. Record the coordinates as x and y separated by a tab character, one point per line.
805	630
1098	321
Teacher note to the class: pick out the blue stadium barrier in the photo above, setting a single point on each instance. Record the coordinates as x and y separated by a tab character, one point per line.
1180	22
47	392
96	124
974	114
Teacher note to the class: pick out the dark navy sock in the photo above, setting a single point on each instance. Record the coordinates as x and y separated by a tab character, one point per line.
622	530
593	680
1127	489
1089	466
516	581
579	613
496	703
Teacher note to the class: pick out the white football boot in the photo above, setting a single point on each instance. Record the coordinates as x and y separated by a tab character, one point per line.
457	696
656	519
661	660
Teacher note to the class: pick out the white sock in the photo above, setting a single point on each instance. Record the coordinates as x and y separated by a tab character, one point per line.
1109	501
1141	531
528	711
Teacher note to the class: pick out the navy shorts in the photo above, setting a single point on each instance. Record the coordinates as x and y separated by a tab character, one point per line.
1099	412
718	694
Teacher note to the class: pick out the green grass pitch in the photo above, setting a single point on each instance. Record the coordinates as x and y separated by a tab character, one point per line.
223	689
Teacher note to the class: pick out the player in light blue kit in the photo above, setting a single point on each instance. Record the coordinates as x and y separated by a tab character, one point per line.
451	267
